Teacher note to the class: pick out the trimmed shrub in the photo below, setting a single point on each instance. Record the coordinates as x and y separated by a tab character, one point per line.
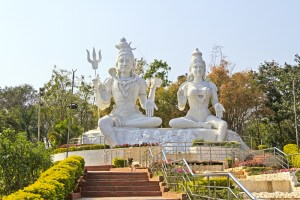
82	148
55	183
290	149
119	162
21	195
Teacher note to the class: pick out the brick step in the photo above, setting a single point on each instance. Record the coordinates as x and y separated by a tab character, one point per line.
117	173
115	179
119	183
120	194
121	188
90	176
99	168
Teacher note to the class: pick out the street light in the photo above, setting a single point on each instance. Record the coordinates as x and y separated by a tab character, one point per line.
41	93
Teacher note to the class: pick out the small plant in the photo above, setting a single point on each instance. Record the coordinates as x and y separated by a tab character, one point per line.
262	146
119	162
229	161
130	160
198	142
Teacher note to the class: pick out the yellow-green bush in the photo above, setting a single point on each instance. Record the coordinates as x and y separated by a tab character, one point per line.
21	195
292	149
55	183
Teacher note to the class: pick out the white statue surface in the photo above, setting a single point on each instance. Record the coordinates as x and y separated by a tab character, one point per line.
127	125
199	92
125	87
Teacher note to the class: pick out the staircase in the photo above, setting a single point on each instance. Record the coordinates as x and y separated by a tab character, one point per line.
118	184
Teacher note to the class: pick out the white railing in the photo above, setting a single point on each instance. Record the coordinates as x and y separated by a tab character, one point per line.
178	175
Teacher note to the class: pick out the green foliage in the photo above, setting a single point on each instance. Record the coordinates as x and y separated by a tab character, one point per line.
158	69
55	112
18	109
262	146
21	161
120	162
256	170
298	175
198	186
198	142
81	148
55	183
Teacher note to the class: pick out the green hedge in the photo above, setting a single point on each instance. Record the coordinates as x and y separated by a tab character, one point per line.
81	148
120	162
55	183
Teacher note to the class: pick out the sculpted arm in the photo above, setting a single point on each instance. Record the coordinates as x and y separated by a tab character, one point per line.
102	93
182	96
146	103
219	109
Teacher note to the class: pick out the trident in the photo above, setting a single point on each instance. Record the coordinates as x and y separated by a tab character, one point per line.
94	62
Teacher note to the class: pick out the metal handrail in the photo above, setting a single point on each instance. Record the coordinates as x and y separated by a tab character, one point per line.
188	190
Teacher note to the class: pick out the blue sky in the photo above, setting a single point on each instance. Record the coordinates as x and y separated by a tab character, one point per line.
35	35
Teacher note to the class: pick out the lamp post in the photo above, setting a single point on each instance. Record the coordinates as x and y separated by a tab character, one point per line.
296	127
41	93
71	106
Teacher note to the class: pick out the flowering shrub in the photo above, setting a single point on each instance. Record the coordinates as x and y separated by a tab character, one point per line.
256	161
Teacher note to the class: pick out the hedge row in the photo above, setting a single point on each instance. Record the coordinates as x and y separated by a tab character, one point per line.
53	184
81	148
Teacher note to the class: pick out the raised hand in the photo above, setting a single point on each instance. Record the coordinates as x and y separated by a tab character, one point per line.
219	109
149	107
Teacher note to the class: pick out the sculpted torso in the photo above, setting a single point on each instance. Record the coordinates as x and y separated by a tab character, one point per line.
198	93
125	88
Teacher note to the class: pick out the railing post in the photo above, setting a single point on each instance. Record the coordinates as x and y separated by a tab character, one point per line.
228	191
208	182
215	189
210	159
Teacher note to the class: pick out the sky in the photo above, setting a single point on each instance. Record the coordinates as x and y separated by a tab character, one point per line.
35	35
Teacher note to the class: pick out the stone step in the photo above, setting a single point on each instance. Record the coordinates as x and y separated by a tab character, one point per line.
119	183
116	179
117	173
142	176
99	168
121	188
120	193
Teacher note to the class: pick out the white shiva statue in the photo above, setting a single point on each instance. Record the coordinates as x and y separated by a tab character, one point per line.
125	87
198	92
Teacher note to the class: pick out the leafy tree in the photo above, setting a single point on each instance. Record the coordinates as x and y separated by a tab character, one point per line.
158	69
276	82
21	161
167	102
18	109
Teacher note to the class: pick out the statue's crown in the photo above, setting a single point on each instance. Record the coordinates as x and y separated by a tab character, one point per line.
124	47
197	57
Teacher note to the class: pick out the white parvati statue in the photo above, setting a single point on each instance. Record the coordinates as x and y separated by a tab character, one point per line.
125	87
199	92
